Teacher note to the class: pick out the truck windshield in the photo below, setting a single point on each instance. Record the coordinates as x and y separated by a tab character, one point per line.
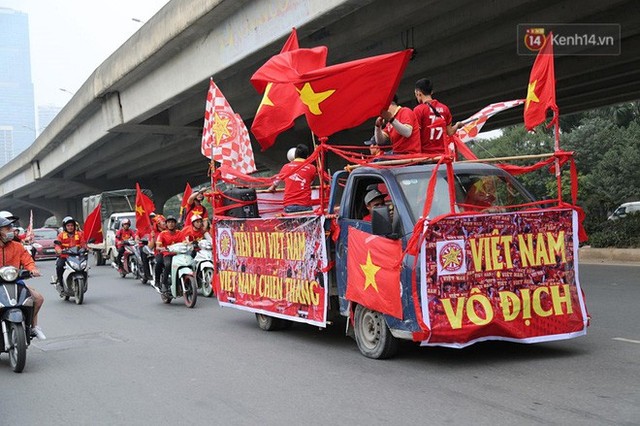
475	192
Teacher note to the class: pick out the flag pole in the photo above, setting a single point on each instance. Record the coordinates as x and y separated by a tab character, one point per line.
319	165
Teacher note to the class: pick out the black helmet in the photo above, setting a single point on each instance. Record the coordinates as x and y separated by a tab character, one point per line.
171	217
67	220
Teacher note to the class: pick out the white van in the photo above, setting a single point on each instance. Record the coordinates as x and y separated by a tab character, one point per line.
625	209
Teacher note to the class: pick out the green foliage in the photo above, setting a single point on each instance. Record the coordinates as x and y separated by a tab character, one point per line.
606	142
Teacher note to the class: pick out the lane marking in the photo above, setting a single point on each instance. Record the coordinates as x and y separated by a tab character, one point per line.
622	339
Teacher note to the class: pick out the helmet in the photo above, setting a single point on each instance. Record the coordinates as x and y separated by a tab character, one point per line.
171	217
126	222
8	215
195	217
68	219
291	154
152	215
4	221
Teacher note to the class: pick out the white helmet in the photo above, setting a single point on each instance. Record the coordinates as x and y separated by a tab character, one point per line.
291	154
8	215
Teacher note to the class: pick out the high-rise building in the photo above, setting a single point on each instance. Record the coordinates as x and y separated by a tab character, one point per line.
17	110
46	114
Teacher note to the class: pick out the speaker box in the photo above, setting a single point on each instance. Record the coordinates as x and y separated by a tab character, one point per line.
245	195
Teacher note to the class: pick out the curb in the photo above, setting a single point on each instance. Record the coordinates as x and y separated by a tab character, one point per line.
588	254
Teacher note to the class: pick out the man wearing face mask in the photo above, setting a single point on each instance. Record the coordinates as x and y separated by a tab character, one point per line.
13	253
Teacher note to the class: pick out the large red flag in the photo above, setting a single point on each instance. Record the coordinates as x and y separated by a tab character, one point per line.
144	207
280	104
341	96
373	272
541	93
185	200
93	226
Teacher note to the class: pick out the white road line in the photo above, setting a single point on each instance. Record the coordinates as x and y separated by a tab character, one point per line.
622	339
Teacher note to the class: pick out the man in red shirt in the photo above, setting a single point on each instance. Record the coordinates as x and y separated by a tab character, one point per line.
401	129
194	232
434	119
297	177
124	234
195	207
169	236
69	237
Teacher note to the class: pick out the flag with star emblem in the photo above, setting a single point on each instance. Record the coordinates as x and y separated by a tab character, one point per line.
144	207
224	136
93	226
280	104
340	96
373	272
541	92
473	124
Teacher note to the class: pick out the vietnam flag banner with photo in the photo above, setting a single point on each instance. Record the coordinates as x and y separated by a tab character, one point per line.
509	276
280	104
144	207
93	226
273	266
373	272
541	92
340	96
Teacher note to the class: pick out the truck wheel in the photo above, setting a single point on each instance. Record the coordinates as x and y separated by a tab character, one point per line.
268	323
372	334
98	258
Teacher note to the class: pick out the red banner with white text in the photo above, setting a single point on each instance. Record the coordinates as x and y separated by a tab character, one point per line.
273	266
511	276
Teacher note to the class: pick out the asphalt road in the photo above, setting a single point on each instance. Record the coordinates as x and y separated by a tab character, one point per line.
123	357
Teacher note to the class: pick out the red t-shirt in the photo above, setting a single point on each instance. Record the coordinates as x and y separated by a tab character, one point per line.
124	235
297	183
193	209
193	234
166	238
399	143
67	240
433	139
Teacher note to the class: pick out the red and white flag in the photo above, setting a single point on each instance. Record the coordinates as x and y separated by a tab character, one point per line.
224	136
29	231
473	124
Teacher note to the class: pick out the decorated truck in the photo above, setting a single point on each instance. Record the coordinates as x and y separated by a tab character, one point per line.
114	207
459	253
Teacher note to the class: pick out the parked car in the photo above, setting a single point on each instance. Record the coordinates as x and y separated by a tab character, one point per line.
624	209
44	237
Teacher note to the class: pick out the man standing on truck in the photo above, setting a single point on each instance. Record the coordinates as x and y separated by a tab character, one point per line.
68	238
429	113
124	234
169	236
398	126
195	207
297	178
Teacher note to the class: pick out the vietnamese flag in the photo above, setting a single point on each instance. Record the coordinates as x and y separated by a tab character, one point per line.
280	104
93	226
541	92
144	207
184	205
373	272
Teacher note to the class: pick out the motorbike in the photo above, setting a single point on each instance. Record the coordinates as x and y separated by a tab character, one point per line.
151	260
182	280
16	314
131	260
203	266
75	276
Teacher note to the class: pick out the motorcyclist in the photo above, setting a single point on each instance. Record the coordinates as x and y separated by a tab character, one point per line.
195	232
125	233
68	238
169	236
13	253
195	207
157	226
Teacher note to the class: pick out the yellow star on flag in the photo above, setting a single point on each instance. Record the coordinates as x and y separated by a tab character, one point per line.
451	258
531	94
220	127
312	99
140	210
265	98
370	270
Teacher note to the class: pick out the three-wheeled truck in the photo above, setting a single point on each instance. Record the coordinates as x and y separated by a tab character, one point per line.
459	253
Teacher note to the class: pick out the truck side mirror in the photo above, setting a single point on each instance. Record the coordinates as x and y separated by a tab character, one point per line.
384	223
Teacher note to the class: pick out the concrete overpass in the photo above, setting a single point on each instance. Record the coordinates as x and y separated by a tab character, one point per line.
139	116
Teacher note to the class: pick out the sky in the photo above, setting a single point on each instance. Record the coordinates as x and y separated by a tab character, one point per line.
71	38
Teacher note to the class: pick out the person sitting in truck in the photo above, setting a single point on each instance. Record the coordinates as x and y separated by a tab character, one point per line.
481	194
372	199
125	233
195	207
297	180
169	236
70	237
